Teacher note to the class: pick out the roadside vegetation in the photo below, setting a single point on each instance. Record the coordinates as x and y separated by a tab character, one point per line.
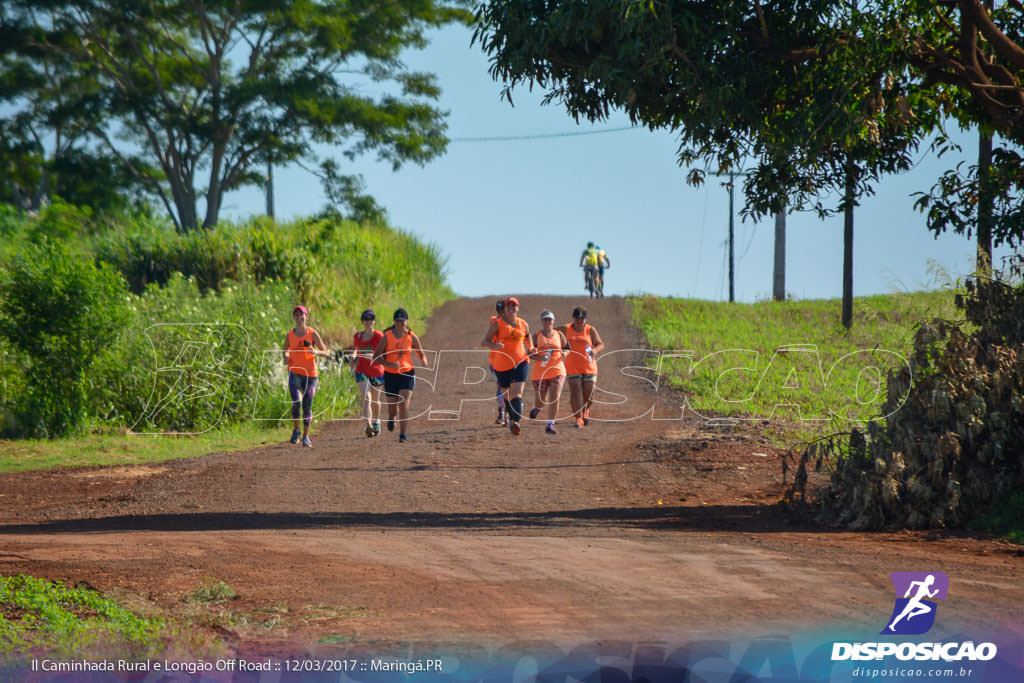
50	619
791	361
113	329
912	418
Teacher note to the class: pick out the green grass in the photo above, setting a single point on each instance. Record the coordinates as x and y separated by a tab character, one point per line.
786	360
122	449
1007	521
212	591
39	616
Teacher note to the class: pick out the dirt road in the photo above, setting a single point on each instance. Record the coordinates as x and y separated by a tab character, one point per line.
630	528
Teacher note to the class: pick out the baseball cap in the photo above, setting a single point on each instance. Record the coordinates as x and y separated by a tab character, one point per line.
547	315
511	300
400	314
579	312
300	307
368	314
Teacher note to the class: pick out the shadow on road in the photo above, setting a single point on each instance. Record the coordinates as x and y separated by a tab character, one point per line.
739	518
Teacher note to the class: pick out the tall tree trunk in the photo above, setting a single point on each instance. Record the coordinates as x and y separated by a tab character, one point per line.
270	189
985	201
851	186
779	276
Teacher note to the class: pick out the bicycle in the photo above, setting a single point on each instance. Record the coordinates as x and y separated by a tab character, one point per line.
594	284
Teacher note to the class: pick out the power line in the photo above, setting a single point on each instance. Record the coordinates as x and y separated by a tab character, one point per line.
507	138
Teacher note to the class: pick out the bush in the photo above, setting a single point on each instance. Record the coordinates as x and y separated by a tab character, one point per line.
954	451
60	311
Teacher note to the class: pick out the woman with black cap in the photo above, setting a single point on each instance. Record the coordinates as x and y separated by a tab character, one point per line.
581	364
369	376
509	335
394	352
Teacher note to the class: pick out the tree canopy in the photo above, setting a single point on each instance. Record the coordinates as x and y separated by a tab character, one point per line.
810	90
208	92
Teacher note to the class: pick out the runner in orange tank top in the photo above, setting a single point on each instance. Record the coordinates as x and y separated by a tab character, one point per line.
581	364
395	353
510	336
301	347
548	369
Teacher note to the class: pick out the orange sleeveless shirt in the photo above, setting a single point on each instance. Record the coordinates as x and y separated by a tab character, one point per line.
578	362
513	343
553	366
398	351
300	360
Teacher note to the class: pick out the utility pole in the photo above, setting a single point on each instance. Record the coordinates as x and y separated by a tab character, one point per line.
732	261
732	231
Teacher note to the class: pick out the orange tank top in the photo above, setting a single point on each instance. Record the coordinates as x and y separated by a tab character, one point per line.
398	351
301	359
579	361
548	366
513	343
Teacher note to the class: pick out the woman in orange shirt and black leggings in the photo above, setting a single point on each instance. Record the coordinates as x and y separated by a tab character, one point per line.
301	347
510	336
394	352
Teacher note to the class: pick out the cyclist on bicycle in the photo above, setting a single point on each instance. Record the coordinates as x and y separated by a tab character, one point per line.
590	262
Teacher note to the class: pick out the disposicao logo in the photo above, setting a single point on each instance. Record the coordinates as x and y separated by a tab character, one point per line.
913	614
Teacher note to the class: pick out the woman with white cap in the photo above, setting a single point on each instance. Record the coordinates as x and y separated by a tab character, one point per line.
510	336
548	369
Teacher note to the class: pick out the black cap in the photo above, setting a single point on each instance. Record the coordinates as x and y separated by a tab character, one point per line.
368	314
579	312
400	314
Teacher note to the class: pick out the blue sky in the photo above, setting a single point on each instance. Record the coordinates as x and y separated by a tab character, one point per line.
513	216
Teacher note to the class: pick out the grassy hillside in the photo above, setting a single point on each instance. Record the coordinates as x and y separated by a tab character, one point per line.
790	360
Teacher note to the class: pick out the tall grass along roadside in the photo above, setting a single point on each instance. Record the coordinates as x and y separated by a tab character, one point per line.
787	360
199	319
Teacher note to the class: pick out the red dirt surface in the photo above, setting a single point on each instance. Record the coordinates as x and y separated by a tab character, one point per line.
628	529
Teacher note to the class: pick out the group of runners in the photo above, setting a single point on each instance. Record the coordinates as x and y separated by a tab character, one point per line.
385	375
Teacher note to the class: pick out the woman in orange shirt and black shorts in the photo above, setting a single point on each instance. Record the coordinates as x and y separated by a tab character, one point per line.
394	352
581	363
510	336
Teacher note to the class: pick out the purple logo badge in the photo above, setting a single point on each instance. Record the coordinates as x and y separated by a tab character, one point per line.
916	592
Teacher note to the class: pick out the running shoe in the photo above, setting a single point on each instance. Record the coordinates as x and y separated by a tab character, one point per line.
306	442
391	424
402	438
369	431
514	428
500	420
376	428
550	429
586	416
534	413
295	435
579	422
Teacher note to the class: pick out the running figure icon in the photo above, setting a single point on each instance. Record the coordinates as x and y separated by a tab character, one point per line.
914	612
916	607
